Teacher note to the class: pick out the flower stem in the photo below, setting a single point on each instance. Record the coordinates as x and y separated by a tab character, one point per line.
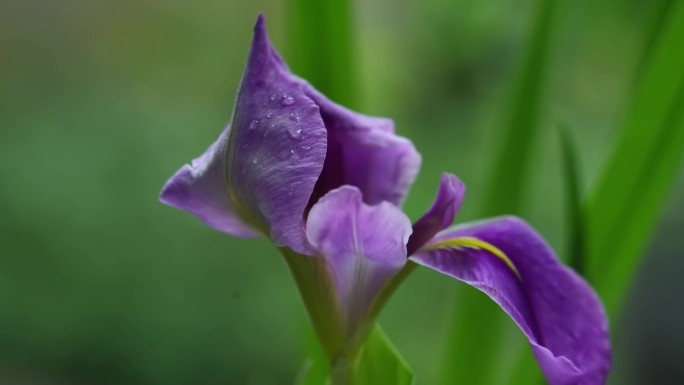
315	288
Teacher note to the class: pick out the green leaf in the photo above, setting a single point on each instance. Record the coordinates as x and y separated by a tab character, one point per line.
628	198
576	252
474	353
316	369
380	363
518	135
322	47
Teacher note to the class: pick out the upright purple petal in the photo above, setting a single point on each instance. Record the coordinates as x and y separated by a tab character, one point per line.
199	188
364	246
442	213
363	151
555	308
277	146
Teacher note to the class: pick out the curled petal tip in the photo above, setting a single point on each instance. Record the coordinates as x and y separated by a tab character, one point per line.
454	183
442	213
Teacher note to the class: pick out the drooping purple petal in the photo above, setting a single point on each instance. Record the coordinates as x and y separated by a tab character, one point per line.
277	146
199	189
442	213
555	308
363	151
364	245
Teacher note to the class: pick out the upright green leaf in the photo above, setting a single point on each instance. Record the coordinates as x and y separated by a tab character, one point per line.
380	363
576	250
504	191
322	46
316	369
474	350
629	196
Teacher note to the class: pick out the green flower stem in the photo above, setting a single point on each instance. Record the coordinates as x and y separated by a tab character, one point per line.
316	289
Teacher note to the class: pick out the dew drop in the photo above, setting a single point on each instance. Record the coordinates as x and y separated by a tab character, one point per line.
253	124
269	115
287	100
294	117
294	132
273	97
255	161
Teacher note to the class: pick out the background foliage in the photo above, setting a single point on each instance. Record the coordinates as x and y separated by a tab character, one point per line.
101	100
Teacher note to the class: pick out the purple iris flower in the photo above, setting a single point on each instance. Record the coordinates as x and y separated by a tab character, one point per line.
326	185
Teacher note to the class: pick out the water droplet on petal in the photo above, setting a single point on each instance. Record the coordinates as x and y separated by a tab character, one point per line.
269	115
253	124
294	132
287	100
255	161
294	117
273	97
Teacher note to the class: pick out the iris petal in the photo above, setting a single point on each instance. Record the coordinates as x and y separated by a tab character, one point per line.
363	151
442	213
277	147
555	308
364	246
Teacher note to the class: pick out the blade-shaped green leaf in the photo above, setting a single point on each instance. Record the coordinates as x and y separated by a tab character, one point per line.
521	125
576	250
322	46
316	369
474	355
380	363
628	198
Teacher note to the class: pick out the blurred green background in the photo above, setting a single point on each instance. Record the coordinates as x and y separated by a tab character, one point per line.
102	100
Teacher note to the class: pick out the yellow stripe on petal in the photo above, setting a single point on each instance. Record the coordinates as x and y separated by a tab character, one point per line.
461	243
